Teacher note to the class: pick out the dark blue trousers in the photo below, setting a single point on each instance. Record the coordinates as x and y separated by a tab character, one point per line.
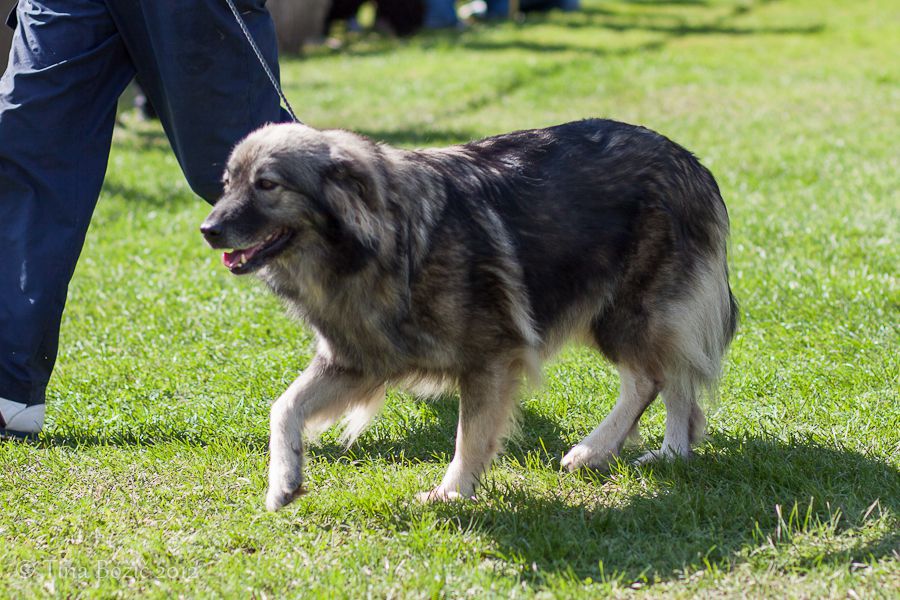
70	62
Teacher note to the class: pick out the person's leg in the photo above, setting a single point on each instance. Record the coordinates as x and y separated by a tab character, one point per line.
440	14
497	9
57	111
569	5
202	77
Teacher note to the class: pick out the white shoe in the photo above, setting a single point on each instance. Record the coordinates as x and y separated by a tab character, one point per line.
20	420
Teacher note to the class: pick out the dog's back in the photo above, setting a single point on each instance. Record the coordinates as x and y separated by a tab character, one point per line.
609	222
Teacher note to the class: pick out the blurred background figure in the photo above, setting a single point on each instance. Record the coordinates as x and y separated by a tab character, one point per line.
392	17
503	9
298	23
142	103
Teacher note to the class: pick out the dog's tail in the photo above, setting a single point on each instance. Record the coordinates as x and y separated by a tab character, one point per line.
703	323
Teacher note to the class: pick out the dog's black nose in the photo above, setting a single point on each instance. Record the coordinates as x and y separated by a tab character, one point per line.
213	233
211	230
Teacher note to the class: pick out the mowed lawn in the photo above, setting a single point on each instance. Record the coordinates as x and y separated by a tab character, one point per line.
150	477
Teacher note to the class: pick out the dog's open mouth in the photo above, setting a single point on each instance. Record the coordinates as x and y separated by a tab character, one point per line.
245	260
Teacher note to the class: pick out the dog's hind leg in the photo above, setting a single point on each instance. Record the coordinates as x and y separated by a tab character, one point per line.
486	403
684	420
321	394
637	391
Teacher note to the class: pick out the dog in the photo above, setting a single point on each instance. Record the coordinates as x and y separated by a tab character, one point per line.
467	267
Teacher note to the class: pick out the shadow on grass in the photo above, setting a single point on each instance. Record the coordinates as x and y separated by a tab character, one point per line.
669	26
745	499
433	442
418	441
670	2
146	436
795	503
738	500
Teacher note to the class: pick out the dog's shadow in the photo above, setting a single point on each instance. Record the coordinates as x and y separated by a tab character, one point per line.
426	433
738	499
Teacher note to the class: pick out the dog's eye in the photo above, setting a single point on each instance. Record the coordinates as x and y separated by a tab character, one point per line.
265	184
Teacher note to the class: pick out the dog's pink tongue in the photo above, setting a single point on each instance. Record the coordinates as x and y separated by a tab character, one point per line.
238	257
230	259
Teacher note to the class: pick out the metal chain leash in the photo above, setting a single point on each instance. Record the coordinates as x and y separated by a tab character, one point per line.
262	61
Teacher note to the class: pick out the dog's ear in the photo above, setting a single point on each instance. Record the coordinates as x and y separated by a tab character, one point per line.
356	173
353	196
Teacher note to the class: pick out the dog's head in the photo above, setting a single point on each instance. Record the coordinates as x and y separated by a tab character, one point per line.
293	190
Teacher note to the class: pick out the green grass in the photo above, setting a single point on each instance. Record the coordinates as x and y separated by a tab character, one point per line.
151	475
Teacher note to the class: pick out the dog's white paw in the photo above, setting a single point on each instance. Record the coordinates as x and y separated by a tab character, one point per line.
660	455
279	498
440	494
582	455
285	484
648	457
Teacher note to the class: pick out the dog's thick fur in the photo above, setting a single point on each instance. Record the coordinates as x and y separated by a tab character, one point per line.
468	266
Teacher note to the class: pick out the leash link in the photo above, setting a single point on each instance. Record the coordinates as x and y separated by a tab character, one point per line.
262	60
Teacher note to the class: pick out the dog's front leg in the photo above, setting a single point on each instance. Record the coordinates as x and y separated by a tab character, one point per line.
485	404
322	393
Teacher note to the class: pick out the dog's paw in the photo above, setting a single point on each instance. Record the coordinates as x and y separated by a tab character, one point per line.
279	498
285	476
439	494
582	455
648	457
660	455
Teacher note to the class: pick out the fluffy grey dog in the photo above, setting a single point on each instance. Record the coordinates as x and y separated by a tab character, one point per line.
468	266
